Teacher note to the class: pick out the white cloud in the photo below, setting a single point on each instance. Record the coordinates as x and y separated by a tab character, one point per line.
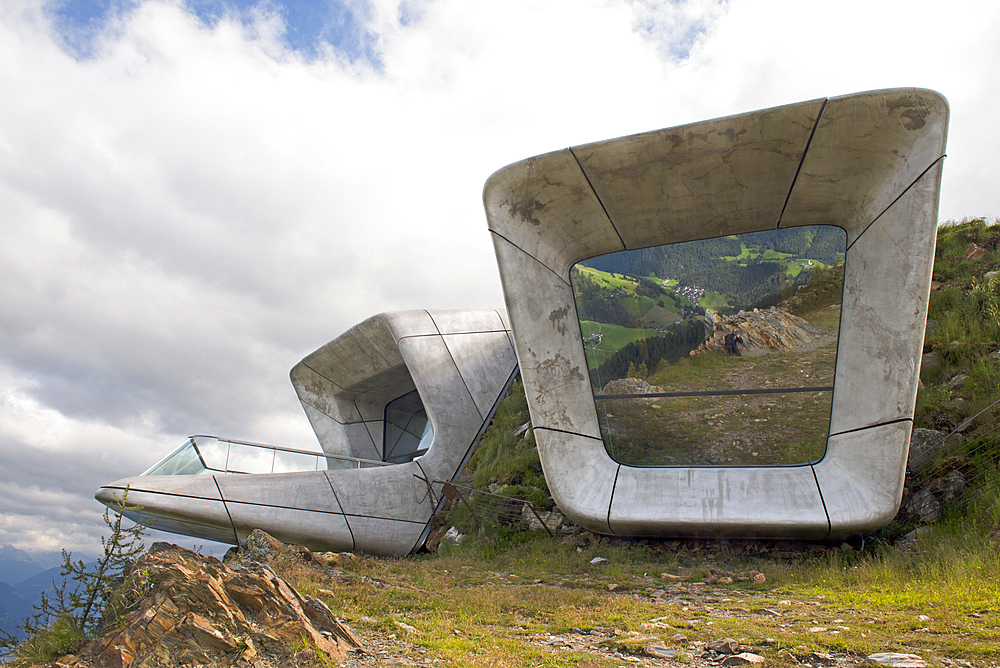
191	209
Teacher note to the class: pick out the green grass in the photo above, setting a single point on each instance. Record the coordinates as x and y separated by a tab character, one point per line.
615	338
477	605
505	458
607	281
964	327
714	300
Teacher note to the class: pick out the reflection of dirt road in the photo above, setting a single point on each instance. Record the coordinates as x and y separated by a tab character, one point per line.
762	429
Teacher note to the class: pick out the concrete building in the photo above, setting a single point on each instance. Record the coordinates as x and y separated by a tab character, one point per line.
869	163
397	402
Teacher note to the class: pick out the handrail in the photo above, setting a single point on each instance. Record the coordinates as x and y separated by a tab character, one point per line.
281	448
203	453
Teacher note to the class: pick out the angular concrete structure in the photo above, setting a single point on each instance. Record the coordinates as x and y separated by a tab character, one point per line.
869	163
398	401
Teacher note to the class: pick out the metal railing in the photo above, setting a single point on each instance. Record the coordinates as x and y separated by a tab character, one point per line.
203	454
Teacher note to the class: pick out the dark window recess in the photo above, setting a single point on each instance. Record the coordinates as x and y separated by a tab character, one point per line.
407	432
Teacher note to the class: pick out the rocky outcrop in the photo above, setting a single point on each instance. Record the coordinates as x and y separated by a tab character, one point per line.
926	447
772	329
630	386
942	485
200	611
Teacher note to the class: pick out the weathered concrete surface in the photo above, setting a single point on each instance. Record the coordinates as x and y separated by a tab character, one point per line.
869	163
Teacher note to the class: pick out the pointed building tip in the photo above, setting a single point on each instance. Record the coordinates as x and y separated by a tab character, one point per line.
107	495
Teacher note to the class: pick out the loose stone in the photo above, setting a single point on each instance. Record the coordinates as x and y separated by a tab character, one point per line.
896	660
724	646
743	659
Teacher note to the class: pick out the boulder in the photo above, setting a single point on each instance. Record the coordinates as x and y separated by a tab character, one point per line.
926	446
630	386
975	252
772	329
200	611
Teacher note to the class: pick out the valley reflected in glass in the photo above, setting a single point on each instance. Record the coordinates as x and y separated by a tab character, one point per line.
675	386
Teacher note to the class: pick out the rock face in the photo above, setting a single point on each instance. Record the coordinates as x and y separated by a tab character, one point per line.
943	485
202	612
774	328
630	386
926	446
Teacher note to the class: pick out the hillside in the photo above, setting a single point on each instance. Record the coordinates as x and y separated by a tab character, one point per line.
653	300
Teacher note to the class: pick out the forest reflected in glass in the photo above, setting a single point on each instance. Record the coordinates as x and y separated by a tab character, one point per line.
715	352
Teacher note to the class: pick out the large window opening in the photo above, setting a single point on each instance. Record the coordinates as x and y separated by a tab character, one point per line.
407	433
715	352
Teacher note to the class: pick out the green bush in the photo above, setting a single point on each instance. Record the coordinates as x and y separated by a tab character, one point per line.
88	600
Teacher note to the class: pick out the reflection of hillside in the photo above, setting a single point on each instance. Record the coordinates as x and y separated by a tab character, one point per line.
642	312
745	267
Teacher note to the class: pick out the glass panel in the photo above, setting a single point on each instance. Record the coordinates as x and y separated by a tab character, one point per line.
213	452
249	459
715	352
182	461
407	432
286	462
335	464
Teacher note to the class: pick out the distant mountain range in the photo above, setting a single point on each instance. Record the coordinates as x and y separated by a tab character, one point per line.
17	565
23	578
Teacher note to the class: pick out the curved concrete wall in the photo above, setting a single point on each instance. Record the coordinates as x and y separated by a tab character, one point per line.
459	362
869	163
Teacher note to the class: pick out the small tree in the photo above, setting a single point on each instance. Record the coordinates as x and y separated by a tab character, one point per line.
88	597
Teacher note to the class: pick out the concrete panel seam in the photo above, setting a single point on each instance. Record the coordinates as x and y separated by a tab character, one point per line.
597	197
553	271
153	491
236	536
611	500
571	433
893	202
871	426
486	421
475	331
422	538
465	383
324	377
388	519
354	542
802	161
819	490
320	410
284	507
371	437
433	322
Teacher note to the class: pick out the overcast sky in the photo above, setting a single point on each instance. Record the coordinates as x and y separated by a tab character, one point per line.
194	195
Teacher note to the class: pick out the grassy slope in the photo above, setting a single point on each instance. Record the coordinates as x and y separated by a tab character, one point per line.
615	338
963	329
540	602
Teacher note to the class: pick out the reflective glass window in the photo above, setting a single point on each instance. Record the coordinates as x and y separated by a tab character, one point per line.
214	453
286	462
715	352
183	461
407	433
249	459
